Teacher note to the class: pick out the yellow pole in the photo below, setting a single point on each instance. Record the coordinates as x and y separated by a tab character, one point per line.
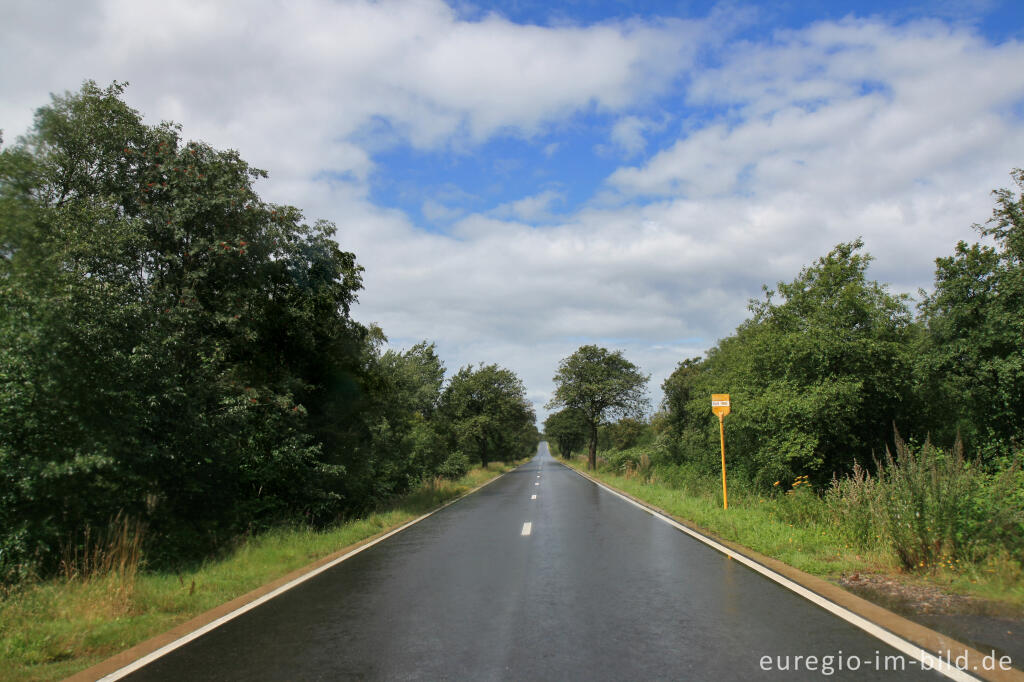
721	433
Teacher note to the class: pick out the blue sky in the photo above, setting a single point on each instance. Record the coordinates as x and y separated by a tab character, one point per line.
571	159
520	178
498	171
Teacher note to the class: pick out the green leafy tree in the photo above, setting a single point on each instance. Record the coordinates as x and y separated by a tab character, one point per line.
629	432
406	443
603	386
972	362
419	376
168	340
568	428
817	375
487	414
678	391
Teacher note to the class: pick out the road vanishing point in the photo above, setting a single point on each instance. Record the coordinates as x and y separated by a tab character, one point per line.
540	575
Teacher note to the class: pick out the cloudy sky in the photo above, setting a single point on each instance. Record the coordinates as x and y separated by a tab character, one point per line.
519	178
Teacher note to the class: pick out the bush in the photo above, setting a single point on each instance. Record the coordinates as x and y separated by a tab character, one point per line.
684	477
455	466
643	461
937	506
619	460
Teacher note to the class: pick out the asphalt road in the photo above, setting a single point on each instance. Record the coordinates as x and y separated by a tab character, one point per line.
598	590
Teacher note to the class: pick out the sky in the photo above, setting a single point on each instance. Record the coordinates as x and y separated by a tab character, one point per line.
521	178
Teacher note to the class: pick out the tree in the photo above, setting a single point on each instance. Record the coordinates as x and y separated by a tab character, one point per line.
602	385
817	375
407	444
972	363
678	390
168	341
568	428
628	432
487	414
176	350
419	377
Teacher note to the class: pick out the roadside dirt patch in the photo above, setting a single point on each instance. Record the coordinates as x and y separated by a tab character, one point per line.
986	625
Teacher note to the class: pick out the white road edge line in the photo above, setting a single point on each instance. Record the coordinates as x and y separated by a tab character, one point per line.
898	643
527	528
195	634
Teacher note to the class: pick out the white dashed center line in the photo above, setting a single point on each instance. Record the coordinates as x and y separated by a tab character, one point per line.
527	527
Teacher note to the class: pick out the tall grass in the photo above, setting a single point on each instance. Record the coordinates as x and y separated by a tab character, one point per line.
932	507
921	508
853	504
108	561
116	550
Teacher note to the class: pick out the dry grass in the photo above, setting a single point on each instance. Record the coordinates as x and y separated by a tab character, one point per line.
110	559
642	470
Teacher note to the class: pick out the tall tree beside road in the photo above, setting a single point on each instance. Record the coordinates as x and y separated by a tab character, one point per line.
487	415
603	385
166	336
568	428
821	371
973	361
678	389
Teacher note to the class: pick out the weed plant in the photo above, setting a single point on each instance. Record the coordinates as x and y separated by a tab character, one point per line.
853	507
937	507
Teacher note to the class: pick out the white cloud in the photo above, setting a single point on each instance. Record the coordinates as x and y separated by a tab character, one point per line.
752	200
291	87
850	104
435	211
629	133
533	209
853	128
839	130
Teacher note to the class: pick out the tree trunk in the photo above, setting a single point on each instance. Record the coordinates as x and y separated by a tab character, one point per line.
592	460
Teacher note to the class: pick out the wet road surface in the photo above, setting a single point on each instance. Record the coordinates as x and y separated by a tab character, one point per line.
592	589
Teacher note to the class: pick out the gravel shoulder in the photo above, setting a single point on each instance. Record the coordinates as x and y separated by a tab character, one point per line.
984	624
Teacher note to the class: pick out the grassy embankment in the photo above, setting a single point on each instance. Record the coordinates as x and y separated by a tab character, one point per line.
838	532
52	629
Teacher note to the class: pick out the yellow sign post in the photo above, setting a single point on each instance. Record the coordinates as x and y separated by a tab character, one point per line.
720	406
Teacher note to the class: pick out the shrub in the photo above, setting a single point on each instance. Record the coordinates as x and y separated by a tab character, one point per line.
618	461
454	466
853	507
936	506
642	461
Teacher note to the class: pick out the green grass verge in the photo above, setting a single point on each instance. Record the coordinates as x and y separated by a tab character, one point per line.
817	548
52	629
